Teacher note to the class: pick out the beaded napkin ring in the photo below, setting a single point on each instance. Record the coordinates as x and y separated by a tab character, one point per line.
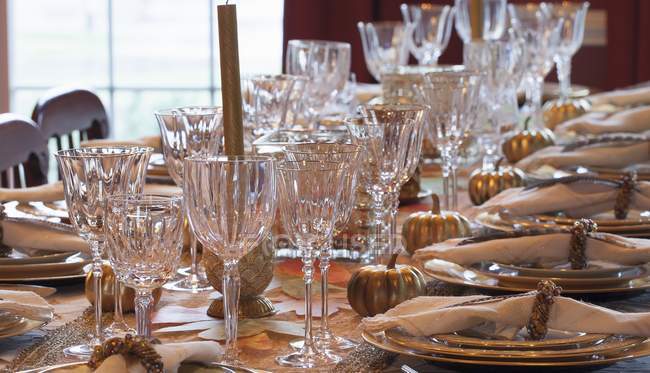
537	324
624	196
579	232
138	347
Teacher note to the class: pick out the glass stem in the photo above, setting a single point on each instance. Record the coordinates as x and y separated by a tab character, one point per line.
308	274
392	223
96	249
118	316
143	303
446	168
325	253
377	239
537	92
454	188
231	286
563	63
194	265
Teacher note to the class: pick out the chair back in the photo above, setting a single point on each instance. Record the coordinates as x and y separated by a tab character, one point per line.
23	152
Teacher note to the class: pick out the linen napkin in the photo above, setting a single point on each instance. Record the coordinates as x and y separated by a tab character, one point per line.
599	155
577	199
631	120
150	141
622	97
424	316
26	304
173	354
41	235
54	192
545	250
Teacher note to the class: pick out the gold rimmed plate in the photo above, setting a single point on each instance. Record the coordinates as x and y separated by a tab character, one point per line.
56	209
380	341
601	345
594	270
23	326
554	339
72	265
31	256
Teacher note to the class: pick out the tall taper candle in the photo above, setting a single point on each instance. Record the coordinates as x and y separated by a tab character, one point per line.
230	84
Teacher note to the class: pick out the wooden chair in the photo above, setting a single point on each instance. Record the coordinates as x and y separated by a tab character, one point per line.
23	152
70	116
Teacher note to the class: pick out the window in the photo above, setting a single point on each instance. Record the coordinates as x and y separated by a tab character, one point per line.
138	55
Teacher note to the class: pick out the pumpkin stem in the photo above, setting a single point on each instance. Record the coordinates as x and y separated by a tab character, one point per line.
435	204
527	122
392	261
498	164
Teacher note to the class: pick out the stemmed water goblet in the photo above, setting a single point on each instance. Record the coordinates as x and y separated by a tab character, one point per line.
385	133
90	176
572	19
309	194
453	99
349	155
430	27
145	236
185	132
231	206
385	45
326	64
492	17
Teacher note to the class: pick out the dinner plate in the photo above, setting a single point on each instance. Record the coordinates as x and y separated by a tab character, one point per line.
430	345
55	279
555	339
593	270
380	341
30	256
72	265
81	367
606	219
455	274
24	326
56	209
510	275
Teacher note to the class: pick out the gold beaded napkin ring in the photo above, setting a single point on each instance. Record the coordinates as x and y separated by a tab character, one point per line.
538	323
579	232
624	196
138	347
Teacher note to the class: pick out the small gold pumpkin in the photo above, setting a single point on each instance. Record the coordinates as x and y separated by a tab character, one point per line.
108	292
561	110
423	228
485	184
527	142
375	289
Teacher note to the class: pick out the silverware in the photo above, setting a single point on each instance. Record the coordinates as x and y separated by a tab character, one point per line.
407	369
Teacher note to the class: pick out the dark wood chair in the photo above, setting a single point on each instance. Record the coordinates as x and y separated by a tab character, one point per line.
62	112
23	152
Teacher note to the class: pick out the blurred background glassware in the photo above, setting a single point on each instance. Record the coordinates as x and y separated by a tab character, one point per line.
502	61
185	132
540	34
349	155
430	27
90	176
385	131
231	206
453	100
266	101
145	235
327	66
385	45
309	194
492	15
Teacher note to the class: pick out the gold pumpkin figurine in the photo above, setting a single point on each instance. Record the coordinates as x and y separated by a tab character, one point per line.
108	292
375	289
561	110
527	142
485	184
423	228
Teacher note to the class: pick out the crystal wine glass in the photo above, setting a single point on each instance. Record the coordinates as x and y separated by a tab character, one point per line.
430	27
349	155
231	205
385	45
572	18
385	131
493	19
145	236
90	176
453	99
327	66
310	194
185	132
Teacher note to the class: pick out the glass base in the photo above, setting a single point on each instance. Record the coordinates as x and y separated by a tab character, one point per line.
191	283
333	344
118	329
79	351
314	359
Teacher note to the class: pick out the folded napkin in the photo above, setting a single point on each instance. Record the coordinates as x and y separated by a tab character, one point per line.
424	316
577	199
545	250
150	141
26	304
54	192
598	155
41	235
173	354
631	120
622	97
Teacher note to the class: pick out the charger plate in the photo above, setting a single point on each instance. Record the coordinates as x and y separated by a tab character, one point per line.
455	274
28	256
555	339
81	367
380	341
602	344
593	270
72	264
